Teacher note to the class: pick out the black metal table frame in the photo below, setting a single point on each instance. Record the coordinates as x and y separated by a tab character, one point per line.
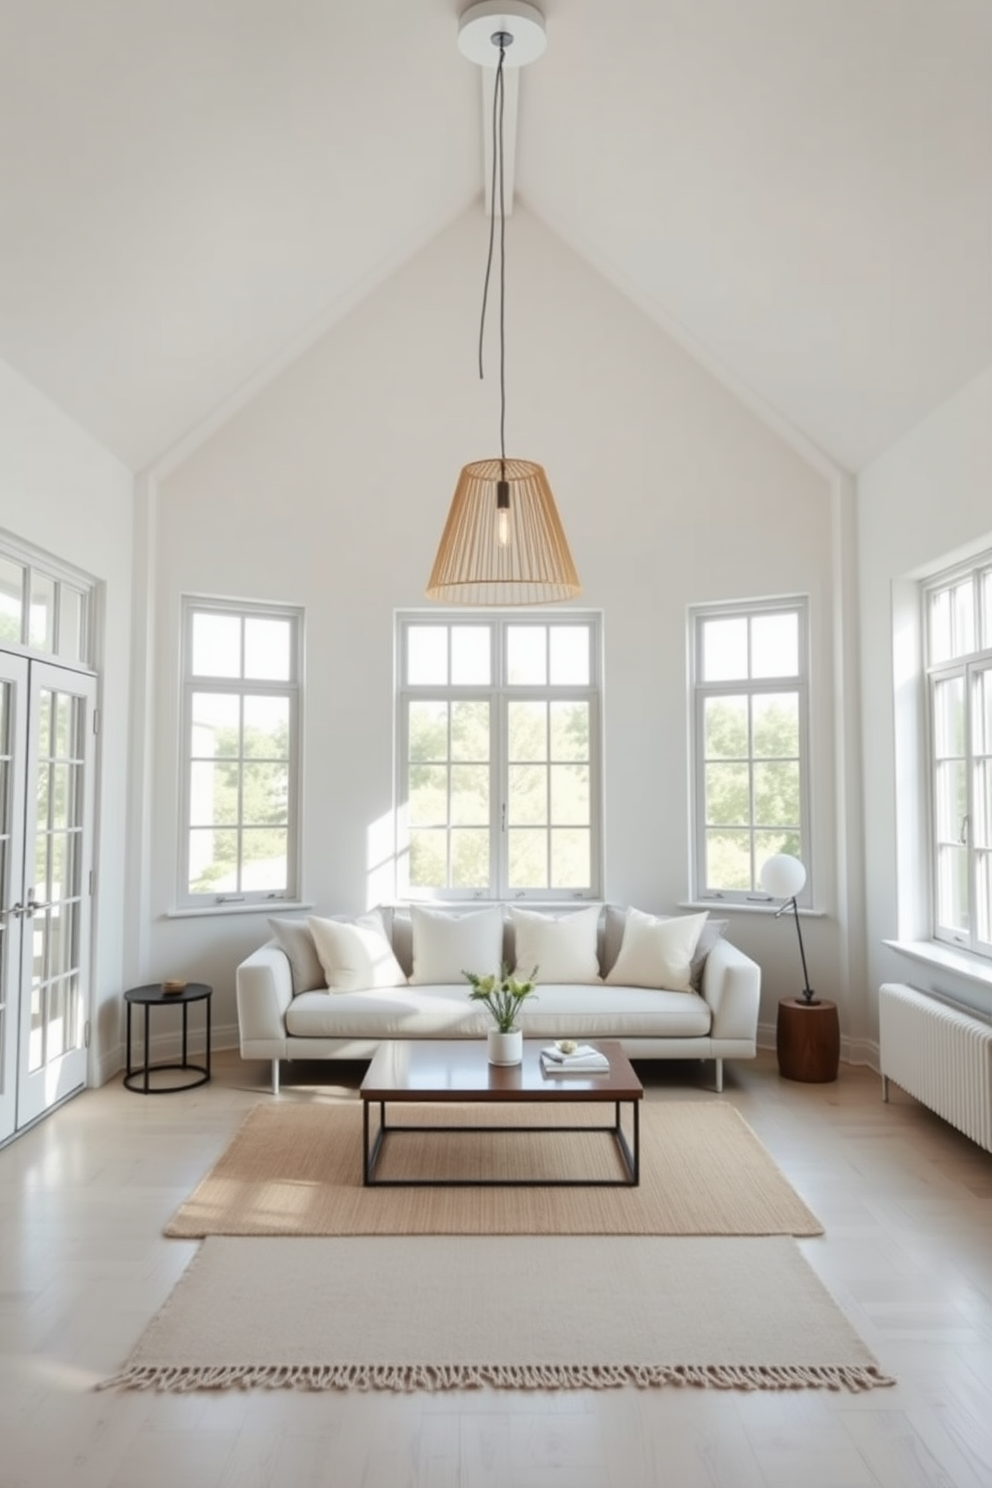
202	1071
630	1152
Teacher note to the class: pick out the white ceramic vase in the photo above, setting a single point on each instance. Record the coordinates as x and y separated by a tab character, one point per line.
505	1048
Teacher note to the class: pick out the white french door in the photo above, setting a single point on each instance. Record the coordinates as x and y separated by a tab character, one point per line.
46	836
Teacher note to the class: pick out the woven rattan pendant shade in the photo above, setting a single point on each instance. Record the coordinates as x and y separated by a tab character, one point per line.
532	566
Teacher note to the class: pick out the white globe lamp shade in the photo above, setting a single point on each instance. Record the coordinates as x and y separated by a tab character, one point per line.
782	876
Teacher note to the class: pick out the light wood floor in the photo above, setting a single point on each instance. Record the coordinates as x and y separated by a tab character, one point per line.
907	1205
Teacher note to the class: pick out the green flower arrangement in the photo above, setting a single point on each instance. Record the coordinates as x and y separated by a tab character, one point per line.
501	994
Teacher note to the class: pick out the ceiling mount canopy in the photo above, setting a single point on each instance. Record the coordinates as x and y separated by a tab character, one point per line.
521	24
503	542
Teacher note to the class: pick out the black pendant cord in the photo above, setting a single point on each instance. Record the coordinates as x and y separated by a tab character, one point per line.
497	184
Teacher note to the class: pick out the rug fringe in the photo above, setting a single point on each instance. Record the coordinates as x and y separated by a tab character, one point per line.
434	1377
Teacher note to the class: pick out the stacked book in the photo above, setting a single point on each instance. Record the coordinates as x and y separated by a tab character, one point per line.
583	1059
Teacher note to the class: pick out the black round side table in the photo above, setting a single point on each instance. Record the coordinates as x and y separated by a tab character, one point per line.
154	996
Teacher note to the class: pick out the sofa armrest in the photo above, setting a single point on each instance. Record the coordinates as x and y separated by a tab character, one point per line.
264	985
732	987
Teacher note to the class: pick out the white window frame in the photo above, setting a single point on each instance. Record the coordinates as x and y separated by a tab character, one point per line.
968	666
65	580
499	693
292	689
700	691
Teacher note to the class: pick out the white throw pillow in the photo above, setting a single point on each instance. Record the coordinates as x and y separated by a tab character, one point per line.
355	954
295	939
446	945
562	947
657	952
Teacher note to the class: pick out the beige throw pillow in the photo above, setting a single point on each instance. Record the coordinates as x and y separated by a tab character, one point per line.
295	939
355	954
657	952
562	947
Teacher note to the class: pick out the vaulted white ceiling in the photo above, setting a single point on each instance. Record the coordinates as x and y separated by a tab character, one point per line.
798	189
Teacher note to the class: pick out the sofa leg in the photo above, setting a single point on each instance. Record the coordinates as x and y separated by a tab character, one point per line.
718	1073
275	1077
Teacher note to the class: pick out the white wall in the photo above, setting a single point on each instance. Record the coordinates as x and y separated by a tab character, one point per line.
63	492
924	503
330	490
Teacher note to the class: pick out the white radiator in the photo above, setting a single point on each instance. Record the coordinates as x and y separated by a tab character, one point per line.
939	1054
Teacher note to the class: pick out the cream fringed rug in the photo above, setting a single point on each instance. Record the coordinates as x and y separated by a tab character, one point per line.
295	1169
541	1312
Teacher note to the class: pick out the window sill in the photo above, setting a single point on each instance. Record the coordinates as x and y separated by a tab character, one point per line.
734	906
932	953
209	912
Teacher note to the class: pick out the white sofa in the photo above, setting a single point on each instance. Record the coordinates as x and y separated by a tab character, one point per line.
286	1012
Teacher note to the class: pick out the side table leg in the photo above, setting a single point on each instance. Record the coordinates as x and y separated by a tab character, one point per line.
207	1061
129	1065
185	1030
146	1047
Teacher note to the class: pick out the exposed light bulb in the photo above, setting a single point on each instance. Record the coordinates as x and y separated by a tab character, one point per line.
503	513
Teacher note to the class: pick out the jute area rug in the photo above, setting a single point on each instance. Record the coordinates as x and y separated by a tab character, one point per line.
295	1169
446	1312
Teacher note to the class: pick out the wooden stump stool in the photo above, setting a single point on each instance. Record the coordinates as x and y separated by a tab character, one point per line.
808	1040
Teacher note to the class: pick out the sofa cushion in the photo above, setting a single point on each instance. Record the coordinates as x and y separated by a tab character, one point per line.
614	920
355	954
448	943
562	1010
295	939
657	952
562	947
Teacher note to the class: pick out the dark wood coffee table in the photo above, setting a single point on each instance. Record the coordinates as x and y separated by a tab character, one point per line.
415	1071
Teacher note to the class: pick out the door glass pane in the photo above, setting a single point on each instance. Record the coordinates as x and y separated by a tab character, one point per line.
428	731
570	731
948	709
11	602
528	730
983	887
216	644
470	731
41	616
36	1038
268	648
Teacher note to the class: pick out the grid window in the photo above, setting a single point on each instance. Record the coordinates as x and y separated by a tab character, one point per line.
241	708
748	673
958	628
498	746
